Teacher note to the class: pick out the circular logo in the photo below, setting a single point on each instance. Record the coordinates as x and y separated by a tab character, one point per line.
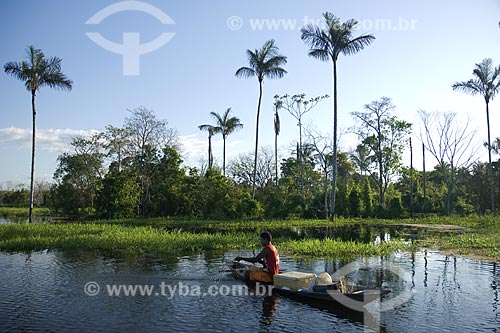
364	306
234	23
91	288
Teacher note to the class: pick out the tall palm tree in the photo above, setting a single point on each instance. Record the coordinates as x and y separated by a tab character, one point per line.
277	128
264	62
327	44
225	126
486	82
36	72
211	131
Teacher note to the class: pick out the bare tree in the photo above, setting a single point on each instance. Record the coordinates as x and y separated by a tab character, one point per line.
42	187
451	144
149	136
361	159
118	144
148	130
241	168
92	148
297	106
384	136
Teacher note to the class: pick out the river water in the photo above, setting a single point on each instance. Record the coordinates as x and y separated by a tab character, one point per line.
58	291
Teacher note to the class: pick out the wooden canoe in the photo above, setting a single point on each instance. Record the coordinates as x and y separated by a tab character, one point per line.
328	294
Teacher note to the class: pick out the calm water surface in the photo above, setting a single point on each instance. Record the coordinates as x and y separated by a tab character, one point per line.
45	292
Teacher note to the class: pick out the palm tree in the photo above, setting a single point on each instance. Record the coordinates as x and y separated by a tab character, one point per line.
211	131
226	125
327	44
264	62
486	82
36	72
277	127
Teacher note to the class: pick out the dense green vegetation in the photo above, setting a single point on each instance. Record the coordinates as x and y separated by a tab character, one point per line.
110	176
126	240
475	236
117	239
137	170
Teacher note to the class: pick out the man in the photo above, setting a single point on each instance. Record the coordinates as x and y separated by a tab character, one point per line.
268	257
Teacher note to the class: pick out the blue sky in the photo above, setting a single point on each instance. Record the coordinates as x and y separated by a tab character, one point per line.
431	44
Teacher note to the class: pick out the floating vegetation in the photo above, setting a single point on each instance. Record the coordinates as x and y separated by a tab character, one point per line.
474	236
22	211
112	238
108	238
339	249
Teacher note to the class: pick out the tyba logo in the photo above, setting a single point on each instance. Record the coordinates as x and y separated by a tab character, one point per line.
131	49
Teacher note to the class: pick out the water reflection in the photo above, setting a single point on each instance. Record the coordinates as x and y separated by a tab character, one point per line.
363	233
269	309
45	293
7	219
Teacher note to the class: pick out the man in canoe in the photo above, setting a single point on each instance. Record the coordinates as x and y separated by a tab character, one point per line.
268	257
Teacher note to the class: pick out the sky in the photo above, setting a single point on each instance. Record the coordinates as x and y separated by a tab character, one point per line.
421	48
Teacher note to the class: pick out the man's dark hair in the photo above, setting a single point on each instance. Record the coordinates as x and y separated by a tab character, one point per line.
266	235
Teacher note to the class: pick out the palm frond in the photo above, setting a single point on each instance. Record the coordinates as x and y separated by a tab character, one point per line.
269	48
314	37
332	21
233	124
217	117
320	54
57	81
264	62
335	39
205	127
349	25
275	73
496	81
16	70
276	61
39	71
357	44
245	72
225	124
33	54
253	58
470	87
484	69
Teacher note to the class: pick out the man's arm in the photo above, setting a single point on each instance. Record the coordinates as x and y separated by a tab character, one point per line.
259	258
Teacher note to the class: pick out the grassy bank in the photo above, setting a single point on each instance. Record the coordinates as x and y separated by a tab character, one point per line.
470	236
22	211
190	224
107	238
480	239
339	249
131	241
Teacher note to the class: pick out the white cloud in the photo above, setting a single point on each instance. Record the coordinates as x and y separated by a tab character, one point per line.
194	147
53	140
59	140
